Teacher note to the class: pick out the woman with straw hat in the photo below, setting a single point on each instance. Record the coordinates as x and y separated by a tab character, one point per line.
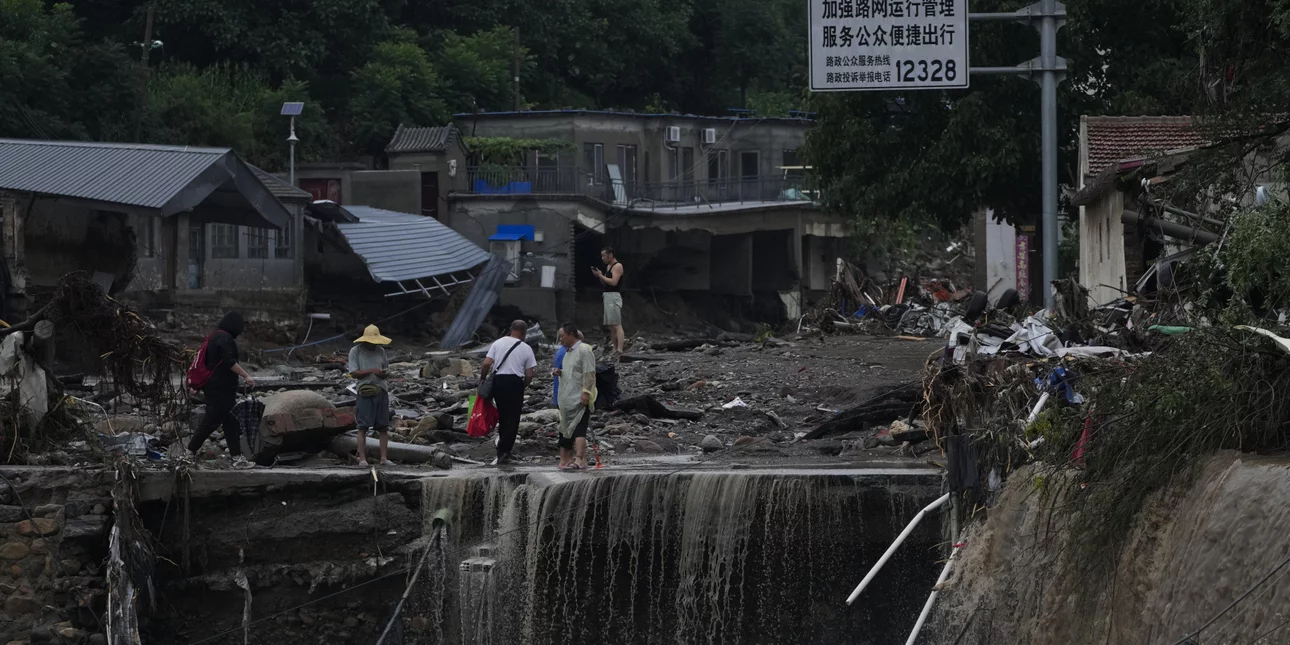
368	363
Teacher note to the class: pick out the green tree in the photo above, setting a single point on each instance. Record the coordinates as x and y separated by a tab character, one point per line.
54	84
476	70
232	106
936	157
399	85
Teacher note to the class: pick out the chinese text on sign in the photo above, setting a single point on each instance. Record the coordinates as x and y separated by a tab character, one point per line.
888	44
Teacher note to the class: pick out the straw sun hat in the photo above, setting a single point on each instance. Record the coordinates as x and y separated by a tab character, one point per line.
372	336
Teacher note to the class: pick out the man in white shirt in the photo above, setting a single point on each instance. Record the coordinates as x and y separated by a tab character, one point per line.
514	363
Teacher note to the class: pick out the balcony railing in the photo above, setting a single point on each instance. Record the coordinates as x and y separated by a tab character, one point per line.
514	180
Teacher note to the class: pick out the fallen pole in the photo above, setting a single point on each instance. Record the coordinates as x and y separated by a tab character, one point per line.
927	606
900	539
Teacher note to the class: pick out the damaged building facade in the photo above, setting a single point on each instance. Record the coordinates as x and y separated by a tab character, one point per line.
705	205
162	226
1117	245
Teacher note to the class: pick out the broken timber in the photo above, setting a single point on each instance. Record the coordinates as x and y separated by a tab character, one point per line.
901	402
652	407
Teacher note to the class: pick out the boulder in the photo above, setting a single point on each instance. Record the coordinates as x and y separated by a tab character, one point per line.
38	526
457	367
14	551
711	443
297	421
645	446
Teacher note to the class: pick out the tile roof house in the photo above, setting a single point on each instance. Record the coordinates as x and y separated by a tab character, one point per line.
1114	254
1105	140
409	140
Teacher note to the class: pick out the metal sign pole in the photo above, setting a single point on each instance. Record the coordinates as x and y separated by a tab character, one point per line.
1051	70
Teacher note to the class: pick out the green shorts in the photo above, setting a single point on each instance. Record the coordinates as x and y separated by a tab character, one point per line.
613	308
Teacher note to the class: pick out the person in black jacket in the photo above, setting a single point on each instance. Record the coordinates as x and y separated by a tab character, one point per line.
221	390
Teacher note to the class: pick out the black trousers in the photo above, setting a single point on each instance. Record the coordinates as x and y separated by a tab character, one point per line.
219	406
508	396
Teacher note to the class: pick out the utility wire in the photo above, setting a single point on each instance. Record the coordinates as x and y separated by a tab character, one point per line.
492	538
1236	602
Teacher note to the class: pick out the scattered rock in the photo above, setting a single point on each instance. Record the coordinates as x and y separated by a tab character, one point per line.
547	416
48	510
427	423
711	443
39	547
38	526
457	367
86	526
11	514
645	446
870	443
14	551
744	441
21	605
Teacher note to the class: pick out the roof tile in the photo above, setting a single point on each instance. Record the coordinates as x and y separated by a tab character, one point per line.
411	140
1116	138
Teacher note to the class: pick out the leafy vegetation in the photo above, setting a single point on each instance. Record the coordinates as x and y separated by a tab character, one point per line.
935	158
73	71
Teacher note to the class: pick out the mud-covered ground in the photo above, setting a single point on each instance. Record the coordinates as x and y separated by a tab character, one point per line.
780	390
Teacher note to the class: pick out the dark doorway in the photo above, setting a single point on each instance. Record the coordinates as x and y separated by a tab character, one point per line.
430	194
586	255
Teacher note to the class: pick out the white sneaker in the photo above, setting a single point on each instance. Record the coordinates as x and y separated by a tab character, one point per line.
240	463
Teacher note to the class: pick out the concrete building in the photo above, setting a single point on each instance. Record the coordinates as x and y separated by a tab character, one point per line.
164	226
719	206
1115	245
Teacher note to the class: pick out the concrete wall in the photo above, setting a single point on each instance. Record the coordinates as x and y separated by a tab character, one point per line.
1101	249
446	164
821	259
394	190
558	223
997	256
769	138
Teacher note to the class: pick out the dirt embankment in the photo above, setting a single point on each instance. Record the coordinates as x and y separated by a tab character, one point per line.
1194	551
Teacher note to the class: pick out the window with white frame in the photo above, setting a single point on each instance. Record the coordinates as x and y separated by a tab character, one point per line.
257	243
224	241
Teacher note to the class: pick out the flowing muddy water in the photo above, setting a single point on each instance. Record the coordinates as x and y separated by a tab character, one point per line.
738	557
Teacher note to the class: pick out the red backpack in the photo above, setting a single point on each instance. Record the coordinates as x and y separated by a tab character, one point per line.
198	374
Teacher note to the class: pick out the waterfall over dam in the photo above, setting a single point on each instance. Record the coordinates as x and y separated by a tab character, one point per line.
737	557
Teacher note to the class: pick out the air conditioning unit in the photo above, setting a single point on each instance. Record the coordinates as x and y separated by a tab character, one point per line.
709	136
673	134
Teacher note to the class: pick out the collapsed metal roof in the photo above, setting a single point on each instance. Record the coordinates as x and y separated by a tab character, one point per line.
212	183
401	247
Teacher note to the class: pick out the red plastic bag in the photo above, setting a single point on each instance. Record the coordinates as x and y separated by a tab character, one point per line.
483	417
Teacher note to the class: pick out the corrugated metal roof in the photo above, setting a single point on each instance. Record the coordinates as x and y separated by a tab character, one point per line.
130	174
159	180
281	189
400	246
483	295
408	140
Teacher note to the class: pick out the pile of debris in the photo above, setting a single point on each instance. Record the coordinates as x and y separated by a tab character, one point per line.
923	308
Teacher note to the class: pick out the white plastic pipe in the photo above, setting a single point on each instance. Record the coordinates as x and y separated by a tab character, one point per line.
896	544
927	606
